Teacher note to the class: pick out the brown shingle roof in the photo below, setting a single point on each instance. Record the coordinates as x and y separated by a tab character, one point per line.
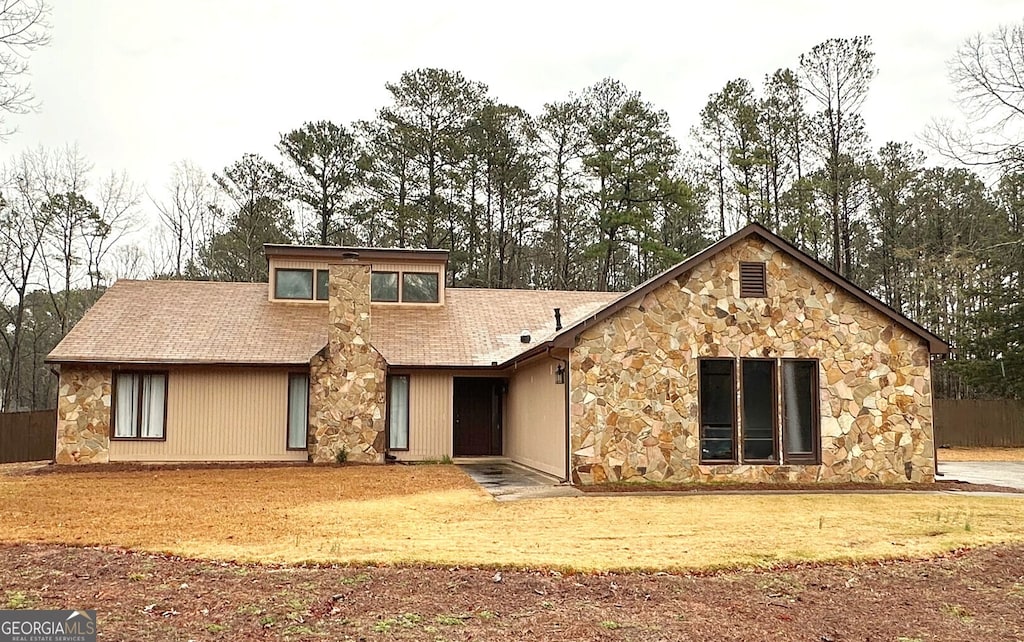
193	322
234	323
476	327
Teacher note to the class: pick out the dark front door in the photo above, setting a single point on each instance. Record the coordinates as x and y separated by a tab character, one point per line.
477	416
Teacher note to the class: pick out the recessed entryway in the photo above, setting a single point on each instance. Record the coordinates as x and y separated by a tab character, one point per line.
476	416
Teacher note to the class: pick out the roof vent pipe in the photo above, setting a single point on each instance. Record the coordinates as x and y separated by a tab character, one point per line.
524	336
558	319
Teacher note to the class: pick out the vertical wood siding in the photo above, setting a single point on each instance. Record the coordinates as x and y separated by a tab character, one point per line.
430	416
223	414
535	413
28	436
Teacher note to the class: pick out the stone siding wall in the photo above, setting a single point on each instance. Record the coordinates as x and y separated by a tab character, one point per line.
83	416
347	378
634	377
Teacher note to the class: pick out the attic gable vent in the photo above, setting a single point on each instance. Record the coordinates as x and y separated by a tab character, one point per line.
753	280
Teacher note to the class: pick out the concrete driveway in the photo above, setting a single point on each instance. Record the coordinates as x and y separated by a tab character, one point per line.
999	473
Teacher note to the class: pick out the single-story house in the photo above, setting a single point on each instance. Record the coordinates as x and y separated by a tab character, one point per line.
749	361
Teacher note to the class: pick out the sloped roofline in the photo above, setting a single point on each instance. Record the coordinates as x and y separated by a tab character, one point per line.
566	338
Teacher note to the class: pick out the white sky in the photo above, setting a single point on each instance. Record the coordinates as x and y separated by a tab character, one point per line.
140	84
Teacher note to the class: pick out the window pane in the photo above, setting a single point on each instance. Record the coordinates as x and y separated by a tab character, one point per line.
125	415
419	288
384	286
398	413
758	393
800	396
293	284
298	410
153	389
322	287
717	398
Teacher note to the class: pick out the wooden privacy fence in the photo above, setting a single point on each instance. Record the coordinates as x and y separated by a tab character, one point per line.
979	422
28	436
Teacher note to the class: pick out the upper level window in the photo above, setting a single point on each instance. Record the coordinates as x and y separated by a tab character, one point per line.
384	286
753	280
293	284
322	284
419	287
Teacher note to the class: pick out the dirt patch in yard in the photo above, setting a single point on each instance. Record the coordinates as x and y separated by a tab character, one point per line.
942	485
972	595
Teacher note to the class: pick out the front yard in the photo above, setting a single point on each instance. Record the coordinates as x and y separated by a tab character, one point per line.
435	515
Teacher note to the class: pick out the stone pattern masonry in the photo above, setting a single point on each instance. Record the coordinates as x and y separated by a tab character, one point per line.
347	378
634	377
83	416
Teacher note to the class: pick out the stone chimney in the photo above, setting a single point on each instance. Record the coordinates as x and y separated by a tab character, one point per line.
347	378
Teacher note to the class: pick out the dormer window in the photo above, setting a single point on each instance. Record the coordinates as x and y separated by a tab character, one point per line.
301	273
419	287
384	286
293	284
323	287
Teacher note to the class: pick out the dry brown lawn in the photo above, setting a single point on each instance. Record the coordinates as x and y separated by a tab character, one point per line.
435	515
980	454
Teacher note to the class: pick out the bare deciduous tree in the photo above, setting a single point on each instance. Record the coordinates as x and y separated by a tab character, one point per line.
988	76
24	26
185	214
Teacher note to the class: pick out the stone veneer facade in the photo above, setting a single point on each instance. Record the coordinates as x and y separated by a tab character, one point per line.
83	416
347	378
634	377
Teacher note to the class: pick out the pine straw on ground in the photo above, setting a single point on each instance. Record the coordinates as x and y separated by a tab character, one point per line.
437	515
960	597
979	454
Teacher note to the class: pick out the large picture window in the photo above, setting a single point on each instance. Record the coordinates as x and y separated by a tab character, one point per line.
139	405
777	411
298	410
398	412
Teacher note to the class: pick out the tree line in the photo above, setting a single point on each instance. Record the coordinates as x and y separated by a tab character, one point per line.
593	192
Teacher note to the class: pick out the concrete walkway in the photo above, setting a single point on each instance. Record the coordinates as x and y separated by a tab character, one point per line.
507	481
999	473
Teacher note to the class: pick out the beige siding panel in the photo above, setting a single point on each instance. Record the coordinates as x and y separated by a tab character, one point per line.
430	416
291	264
222	414
535	418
